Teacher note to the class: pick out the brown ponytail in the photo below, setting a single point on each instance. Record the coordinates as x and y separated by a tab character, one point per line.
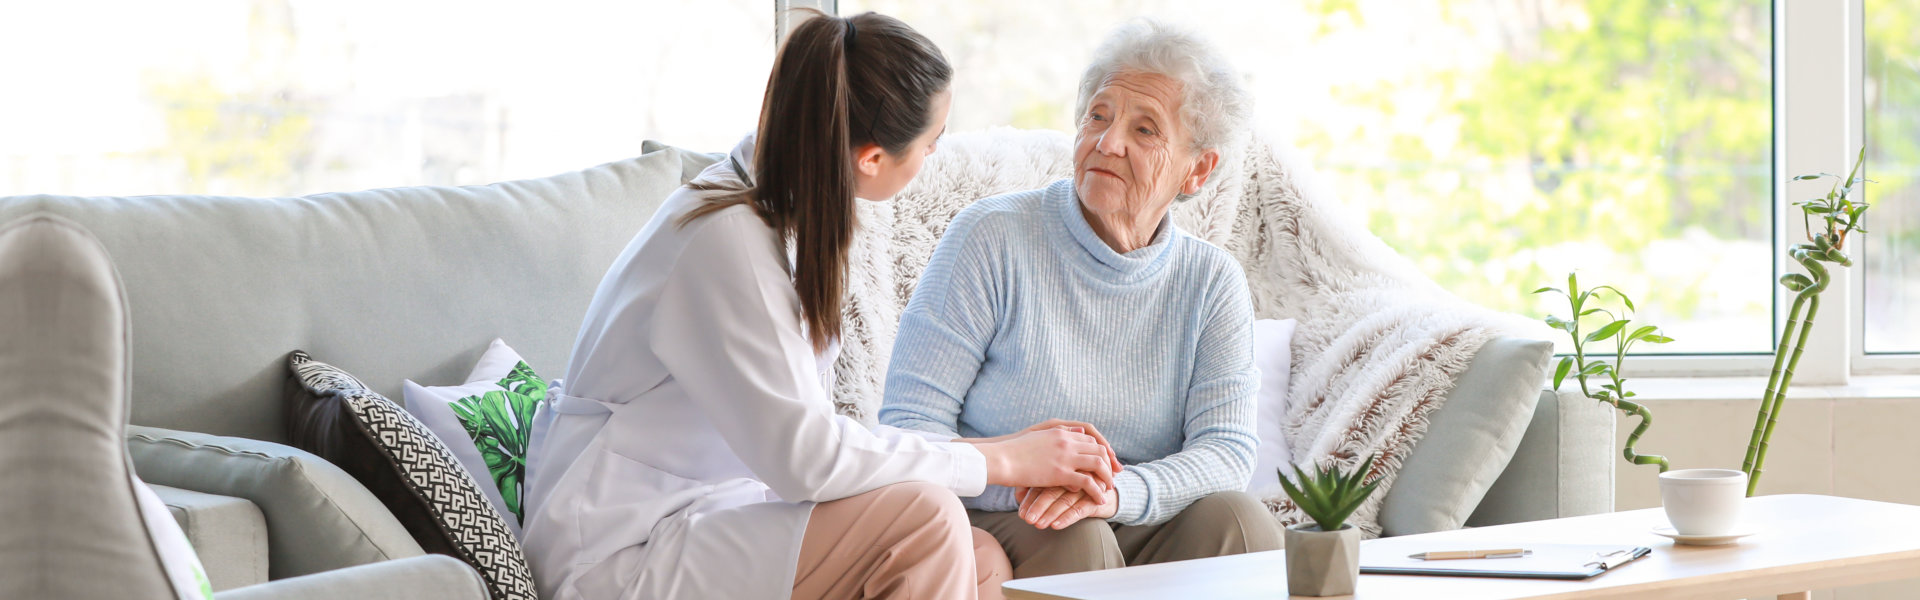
837	84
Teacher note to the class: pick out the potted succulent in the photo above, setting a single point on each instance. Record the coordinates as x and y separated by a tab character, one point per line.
1323	556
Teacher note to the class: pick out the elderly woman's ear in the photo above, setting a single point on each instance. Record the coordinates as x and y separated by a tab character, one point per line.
1203	167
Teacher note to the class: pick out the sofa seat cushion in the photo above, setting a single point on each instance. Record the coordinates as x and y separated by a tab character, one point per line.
229	534
434	576
318	517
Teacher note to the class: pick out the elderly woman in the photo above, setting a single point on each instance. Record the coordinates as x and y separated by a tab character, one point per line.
1083	301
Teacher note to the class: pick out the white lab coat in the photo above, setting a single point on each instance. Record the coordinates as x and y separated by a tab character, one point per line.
681	455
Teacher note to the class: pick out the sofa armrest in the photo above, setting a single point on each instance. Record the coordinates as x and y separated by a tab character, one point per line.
1563	468
429	576
318	517
228	533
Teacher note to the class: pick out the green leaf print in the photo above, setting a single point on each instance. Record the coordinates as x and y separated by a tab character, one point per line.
499	423
200	579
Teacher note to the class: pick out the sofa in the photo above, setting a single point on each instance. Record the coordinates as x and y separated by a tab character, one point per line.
412	283
80	523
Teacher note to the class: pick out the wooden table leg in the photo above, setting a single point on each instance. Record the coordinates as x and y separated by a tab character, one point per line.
1797	596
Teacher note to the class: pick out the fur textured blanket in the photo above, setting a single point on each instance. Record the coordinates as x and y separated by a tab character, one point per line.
1377	348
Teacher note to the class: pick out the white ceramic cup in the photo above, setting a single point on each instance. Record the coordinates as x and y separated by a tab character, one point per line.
1703	501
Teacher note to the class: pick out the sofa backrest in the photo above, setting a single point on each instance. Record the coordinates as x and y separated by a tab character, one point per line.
390	284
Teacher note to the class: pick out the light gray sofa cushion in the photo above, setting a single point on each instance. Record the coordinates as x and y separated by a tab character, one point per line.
228	533
69	523
1469	439
1563	468
391	284
318	517
433	576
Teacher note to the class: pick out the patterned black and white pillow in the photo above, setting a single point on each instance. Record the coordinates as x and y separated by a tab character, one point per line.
334	415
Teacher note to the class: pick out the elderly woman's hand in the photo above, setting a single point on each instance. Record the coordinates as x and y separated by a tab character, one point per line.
1056	508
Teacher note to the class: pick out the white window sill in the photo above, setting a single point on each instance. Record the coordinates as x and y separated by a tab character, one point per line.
1867	387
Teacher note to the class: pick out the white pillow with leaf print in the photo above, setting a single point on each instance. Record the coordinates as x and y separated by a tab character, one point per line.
177	558
485	422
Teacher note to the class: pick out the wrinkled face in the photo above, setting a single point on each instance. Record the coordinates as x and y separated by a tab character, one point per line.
879	174
1132	153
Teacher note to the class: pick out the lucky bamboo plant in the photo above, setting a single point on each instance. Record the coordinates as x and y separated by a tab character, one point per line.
1613	393
1839	216
1329	496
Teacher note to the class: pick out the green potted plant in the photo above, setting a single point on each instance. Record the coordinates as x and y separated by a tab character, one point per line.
1323	556
1839	217
1585	303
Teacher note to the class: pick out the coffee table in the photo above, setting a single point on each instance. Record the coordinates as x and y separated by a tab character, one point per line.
1802	543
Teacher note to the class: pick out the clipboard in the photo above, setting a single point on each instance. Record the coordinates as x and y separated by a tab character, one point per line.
1547	561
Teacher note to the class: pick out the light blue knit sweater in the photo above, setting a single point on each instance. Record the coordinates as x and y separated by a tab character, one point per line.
1023	315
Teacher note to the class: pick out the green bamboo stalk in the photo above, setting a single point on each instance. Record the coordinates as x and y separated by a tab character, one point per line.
1780	399
1617	395
1634	409
1580	361
1767	400
1799	325
1840	216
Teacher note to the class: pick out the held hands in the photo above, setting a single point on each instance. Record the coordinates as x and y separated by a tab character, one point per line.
1058	505
1054	454
1056	508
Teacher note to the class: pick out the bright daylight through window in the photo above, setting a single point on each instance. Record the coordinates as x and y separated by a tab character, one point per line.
1498	144
282	97
1892	98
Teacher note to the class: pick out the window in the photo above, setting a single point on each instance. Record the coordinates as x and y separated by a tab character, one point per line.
1496	143
1891	93
1499	145
279	97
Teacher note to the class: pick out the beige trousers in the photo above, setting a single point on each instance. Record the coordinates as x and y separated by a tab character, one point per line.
1217	525
907	540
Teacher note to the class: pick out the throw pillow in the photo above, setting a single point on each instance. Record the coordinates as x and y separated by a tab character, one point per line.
408	468
177	558
1470	438
487	422
1273	355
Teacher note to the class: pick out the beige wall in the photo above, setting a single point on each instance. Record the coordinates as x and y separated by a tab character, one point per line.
1856	447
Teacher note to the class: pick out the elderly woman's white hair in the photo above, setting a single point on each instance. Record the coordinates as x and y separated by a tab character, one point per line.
1214	107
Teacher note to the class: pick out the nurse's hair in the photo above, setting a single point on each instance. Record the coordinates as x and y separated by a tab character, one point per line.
838	84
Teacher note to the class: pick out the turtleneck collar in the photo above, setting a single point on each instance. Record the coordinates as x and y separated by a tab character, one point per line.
1141	262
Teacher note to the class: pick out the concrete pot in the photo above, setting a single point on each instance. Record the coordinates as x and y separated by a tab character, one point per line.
1322	563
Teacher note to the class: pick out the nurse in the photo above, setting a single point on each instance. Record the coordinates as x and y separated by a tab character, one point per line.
692	450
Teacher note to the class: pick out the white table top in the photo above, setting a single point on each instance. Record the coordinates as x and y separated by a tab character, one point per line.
1803	542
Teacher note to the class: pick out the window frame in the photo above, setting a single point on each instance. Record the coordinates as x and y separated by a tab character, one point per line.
1863	362
780	8
1819	125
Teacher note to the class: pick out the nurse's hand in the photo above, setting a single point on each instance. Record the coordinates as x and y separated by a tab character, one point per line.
1080	426
1054	457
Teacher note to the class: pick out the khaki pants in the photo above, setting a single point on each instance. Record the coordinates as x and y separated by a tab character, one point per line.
907	540
1217	525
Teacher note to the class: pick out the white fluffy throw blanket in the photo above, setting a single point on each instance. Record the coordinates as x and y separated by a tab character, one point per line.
1377	347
